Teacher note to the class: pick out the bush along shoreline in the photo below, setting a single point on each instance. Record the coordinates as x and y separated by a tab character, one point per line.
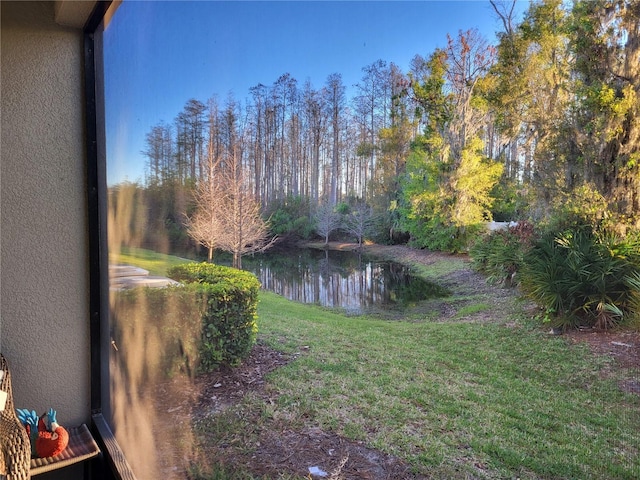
580	276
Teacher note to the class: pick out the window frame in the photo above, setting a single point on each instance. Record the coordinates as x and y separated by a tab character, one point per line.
94	111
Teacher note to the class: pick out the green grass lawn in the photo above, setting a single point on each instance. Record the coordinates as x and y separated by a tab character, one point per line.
454	399
155	263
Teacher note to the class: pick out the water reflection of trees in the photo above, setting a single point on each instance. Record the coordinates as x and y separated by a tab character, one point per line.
340	279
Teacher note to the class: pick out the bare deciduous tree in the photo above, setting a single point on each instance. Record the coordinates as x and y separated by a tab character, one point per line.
228	217
228	214
205	226
242	228
327	220
229	220
358	221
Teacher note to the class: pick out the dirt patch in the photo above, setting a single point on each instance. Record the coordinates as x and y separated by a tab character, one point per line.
289	451
298	452
271	453
293	452
221	389
622	346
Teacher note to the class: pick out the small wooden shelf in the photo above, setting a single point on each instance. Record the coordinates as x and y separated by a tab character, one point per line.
81	447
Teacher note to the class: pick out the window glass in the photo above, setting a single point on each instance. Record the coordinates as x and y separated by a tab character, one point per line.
150	331
200	95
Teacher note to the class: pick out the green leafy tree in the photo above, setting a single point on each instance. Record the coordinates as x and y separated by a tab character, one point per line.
606	132
529	93
472	183
426	165
394	146
448	182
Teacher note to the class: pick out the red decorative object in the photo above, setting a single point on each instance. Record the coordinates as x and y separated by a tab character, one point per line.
52	438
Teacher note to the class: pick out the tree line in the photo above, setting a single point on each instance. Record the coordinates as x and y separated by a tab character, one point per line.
546	120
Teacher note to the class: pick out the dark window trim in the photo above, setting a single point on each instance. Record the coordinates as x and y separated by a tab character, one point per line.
112	455
94	129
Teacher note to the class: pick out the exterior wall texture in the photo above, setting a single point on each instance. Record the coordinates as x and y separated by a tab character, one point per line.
44	309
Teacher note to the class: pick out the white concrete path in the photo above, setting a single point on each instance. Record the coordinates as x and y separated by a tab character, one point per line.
122	277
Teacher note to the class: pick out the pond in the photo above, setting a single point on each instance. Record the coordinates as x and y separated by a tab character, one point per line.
340	279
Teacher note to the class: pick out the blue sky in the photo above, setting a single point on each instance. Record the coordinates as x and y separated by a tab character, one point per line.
159	54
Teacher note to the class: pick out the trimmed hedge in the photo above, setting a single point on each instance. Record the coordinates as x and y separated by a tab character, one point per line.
208	322
156	331
229	326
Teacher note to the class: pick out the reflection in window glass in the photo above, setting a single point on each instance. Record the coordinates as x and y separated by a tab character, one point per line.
153	330
220	114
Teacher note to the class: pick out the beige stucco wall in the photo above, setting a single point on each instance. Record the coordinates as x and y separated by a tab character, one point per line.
44	306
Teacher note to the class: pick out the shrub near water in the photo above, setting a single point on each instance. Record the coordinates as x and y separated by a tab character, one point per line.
583	277
229	325
499	255
580	275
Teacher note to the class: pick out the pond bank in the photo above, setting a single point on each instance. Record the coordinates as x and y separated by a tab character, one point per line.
623	345
453	271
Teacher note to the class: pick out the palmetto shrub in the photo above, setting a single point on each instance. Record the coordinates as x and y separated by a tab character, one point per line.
500	254
633	281
582	277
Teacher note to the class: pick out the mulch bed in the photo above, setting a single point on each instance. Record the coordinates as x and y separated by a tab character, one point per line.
276	452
